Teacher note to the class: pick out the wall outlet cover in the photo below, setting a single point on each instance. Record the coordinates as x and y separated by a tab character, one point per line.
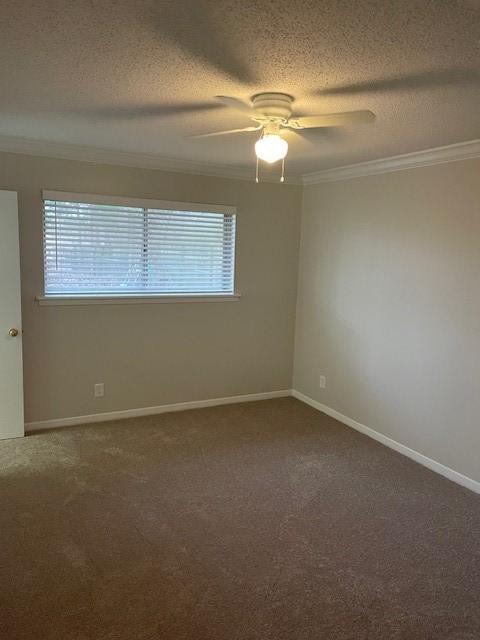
99	390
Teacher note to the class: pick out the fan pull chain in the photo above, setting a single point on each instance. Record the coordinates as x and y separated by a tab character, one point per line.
282	177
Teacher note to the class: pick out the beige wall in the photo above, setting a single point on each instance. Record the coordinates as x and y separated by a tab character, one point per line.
389	306
159	353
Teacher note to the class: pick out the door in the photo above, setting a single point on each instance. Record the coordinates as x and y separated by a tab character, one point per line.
11	375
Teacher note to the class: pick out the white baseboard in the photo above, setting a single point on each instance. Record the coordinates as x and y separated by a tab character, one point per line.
148	411
433	465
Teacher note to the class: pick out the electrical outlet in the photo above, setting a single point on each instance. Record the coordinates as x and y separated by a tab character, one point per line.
322	382
99	390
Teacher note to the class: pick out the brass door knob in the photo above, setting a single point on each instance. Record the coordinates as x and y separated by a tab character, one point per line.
13	333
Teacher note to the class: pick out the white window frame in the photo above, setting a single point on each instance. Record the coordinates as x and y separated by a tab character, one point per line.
141	298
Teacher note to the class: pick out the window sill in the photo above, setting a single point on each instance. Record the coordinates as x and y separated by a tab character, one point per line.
53	300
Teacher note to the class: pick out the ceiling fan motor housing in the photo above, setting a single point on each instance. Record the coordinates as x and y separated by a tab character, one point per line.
273	105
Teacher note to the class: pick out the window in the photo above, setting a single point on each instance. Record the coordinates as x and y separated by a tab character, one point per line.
100	246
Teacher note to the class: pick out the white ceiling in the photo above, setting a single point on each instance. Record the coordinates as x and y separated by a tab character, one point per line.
115	74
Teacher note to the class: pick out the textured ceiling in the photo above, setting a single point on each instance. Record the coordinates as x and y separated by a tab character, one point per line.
114	73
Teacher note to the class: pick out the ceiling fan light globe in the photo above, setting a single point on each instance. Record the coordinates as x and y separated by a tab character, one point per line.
271	148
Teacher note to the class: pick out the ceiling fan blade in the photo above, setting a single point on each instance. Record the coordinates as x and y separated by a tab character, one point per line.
224	133
235	103
153	110
335	119
312	137
297	137
424	80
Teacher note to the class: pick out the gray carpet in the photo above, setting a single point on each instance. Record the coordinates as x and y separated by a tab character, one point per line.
257	521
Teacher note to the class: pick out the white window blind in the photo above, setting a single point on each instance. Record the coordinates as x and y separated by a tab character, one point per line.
97	248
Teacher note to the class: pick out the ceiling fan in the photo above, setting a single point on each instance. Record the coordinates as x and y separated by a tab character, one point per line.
272	113
201	37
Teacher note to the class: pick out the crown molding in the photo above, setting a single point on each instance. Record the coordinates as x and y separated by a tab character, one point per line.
67	151
34	147
438	155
